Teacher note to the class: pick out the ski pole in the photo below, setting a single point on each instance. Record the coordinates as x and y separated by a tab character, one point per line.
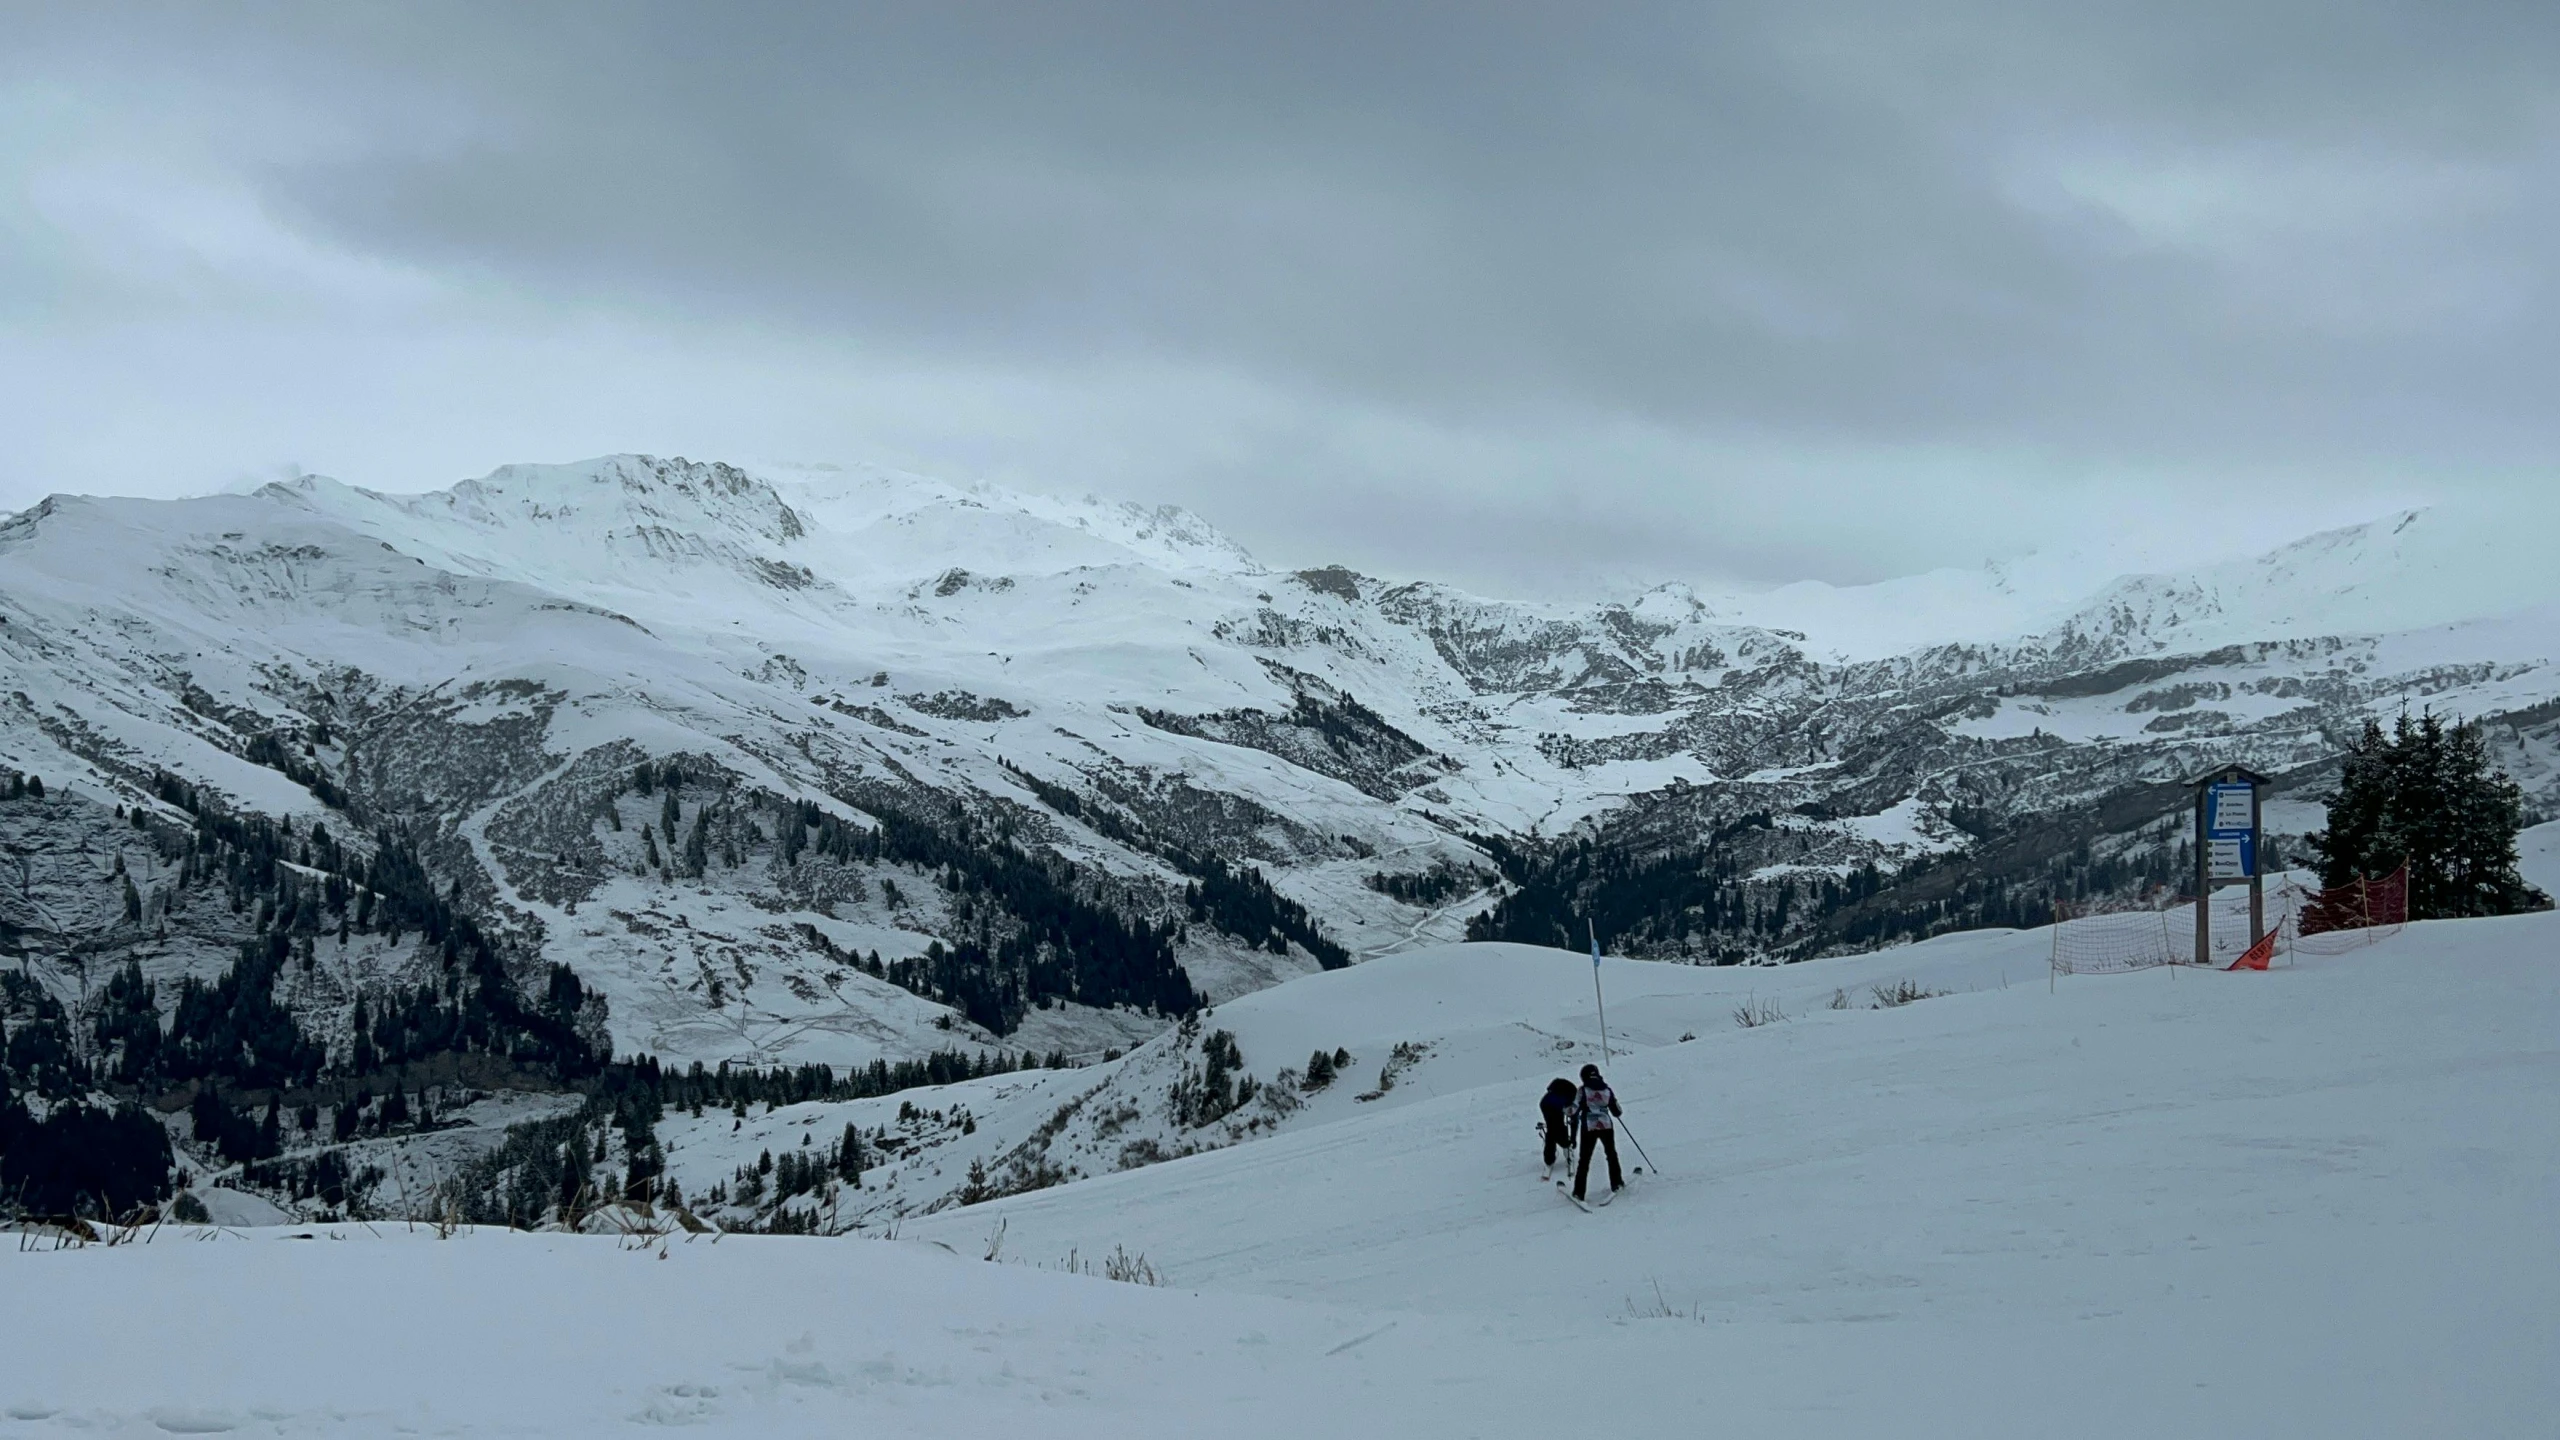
1632	1140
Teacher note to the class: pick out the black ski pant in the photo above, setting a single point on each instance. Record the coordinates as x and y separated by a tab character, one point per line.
1607	1140
1558	1138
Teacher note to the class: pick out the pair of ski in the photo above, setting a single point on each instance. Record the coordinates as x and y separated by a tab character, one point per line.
1587	1206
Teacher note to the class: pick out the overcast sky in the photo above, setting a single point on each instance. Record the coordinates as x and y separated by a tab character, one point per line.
1527	297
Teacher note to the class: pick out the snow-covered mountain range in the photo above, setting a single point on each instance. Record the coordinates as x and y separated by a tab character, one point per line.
720	739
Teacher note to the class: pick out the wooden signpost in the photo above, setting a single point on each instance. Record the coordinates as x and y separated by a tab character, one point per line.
2227	849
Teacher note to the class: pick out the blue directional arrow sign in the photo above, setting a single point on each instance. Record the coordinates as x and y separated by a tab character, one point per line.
2231	830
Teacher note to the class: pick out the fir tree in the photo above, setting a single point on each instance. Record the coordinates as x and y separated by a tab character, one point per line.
696	843
2426	796
211	1118
360	1056
849	1157
573	1177
1319	1072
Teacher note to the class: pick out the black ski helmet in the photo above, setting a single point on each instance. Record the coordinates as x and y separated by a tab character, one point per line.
1590	1074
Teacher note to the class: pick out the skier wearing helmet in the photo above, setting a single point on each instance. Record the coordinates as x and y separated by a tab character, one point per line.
1596	1111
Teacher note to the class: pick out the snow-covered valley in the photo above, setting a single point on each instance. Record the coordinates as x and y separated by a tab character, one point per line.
2312	1201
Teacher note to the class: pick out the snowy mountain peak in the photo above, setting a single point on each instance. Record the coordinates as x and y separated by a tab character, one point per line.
639	524
611	495
2406	571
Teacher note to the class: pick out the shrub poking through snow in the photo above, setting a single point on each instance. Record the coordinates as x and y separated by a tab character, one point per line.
1406	1054
1753	1013
1901	993
1129	1269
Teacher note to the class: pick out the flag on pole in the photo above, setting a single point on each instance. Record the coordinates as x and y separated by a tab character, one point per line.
2257	956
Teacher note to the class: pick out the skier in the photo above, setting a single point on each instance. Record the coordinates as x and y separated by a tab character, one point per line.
1555	1110
1596	1112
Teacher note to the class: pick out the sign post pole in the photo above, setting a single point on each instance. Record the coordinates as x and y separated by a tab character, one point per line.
2257	875
2227	815
2204	877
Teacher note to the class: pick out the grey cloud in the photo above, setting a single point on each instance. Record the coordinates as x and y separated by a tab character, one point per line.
1692	214
2195	240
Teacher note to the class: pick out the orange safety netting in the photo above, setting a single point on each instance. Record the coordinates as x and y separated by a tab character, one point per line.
2332	922
2104	937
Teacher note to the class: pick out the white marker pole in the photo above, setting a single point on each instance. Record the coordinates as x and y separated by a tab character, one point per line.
1596	996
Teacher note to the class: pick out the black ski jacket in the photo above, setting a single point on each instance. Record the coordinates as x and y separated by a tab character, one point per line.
1558	1109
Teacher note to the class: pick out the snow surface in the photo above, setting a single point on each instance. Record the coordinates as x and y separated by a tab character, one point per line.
2311	1202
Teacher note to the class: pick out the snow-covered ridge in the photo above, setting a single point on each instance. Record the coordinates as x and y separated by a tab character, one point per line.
2405	571
2410	571
633	523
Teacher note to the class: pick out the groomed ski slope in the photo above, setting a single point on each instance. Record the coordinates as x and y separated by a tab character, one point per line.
1438	1021
2311	1202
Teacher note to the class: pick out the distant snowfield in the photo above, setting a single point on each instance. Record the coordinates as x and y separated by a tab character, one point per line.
2311	1202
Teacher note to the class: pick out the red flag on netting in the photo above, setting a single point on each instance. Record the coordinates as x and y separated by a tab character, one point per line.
2256	956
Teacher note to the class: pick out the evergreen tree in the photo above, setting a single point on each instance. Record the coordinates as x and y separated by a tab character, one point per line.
697	856
849	1157
1319	1072
80	1159
360	1056
2426	796
210	1117
573	1177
